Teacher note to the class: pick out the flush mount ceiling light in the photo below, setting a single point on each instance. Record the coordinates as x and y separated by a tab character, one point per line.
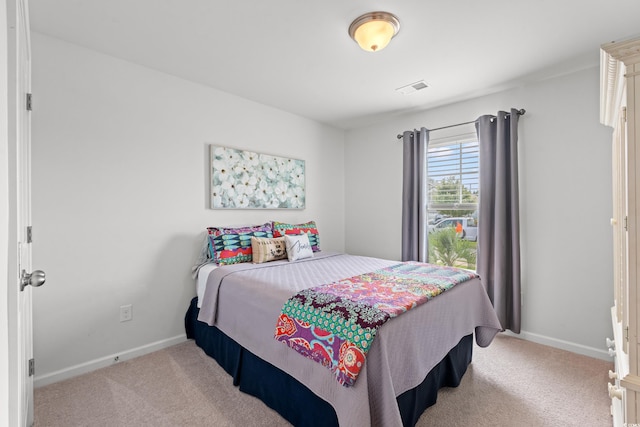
374	30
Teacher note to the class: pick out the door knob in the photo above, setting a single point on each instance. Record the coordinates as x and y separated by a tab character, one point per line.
35	279
615	392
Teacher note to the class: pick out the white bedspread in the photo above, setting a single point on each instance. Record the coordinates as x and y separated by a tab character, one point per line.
244	301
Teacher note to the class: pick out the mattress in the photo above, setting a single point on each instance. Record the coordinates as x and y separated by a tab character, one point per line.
244	300
201	281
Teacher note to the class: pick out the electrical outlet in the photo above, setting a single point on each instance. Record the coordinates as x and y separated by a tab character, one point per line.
126	313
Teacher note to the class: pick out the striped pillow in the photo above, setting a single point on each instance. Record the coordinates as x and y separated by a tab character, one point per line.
233	245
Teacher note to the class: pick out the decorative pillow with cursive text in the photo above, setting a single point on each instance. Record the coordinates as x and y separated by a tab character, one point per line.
298	247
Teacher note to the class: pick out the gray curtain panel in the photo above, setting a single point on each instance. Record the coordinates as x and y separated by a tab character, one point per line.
499	225
415	243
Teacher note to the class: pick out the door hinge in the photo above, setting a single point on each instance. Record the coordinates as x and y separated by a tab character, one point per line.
624	222
626	334
32	367
624	114
29	234
29	102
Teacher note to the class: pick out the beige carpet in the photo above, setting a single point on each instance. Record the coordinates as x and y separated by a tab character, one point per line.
511	383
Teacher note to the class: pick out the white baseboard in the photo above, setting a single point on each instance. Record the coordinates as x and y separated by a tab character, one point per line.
563	345
92	365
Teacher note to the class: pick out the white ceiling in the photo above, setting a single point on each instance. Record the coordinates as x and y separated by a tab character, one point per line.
296	55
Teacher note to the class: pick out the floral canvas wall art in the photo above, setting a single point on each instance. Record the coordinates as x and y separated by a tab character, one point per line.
247	180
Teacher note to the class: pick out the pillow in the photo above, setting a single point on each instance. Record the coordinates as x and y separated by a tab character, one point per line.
281	228
265	249
233	245
298	247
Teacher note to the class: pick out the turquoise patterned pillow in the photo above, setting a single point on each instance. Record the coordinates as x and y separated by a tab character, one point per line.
233	245
308	228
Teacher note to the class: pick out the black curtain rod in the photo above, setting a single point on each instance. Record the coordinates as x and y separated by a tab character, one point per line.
520	113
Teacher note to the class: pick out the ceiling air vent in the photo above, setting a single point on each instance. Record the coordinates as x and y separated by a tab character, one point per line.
413	87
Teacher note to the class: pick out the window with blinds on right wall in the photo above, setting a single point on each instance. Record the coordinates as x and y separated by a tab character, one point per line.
453	185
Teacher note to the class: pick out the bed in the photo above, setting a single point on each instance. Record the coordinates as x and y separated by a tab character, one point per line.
413	355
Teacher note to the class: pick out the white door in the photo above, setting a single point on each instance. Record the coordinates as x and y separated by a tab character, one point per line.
20	128
23	128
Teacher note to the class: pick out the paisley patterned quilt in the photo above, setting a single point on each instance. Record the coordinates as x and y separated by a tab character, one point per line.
335	324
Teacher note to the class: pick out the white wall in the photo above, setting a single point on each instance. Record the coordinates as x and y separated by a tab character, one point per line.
120	195
565	172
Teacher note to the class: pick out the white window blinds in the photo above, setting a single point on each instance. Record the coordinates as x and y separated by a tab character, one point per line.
453	175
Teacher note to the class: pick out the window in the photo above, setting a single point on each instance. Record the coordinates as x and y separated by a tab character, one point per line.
453	182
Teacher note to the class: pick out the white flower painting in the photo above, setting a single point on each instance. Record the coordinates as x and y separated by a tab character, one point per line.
247	180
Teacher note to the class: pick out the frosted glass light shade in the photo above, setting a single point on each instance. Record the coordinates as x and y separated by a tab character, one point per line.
373	31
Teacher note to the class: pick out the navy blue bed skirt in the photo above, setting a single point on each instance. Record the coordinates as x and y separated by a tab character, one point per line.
283	393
